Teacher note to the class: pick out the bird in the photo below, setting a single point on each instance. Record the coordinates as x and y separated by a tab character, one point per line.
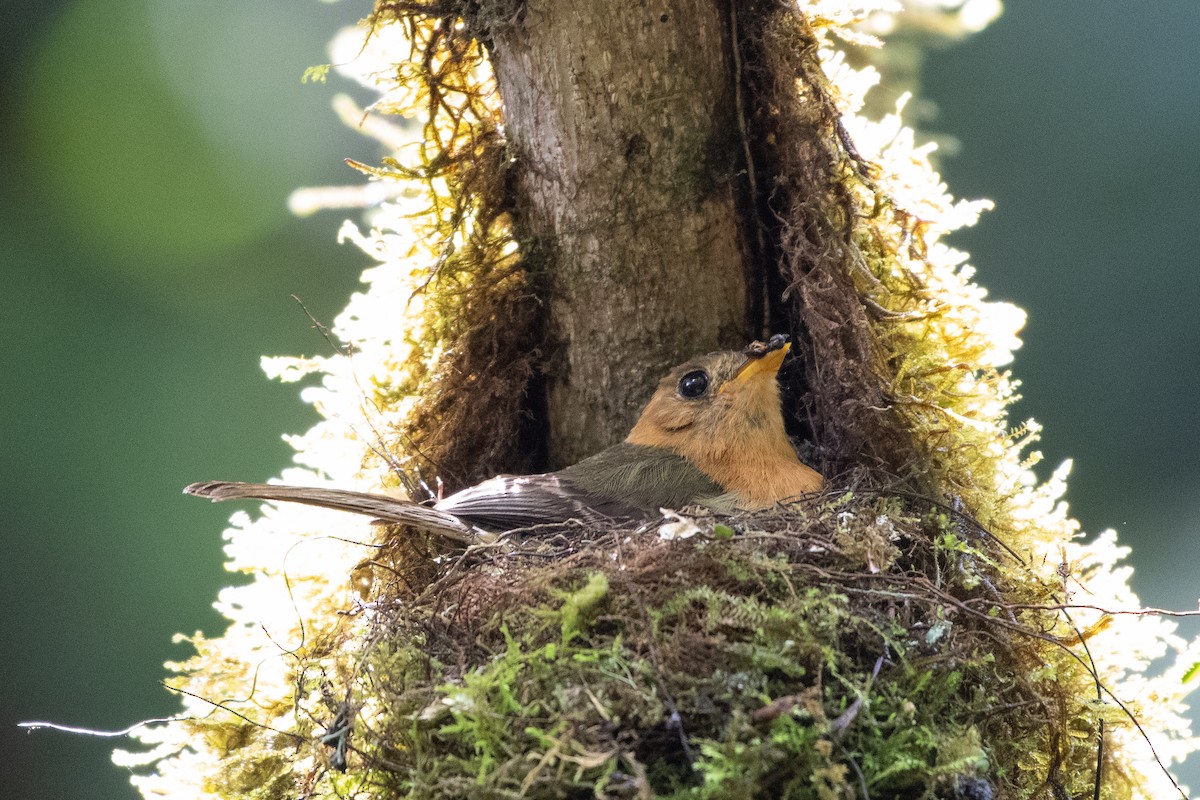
711	435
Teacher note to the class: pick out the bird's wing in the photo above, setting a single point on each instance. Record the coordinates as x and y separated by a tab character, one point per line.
645	477
624	482
507	502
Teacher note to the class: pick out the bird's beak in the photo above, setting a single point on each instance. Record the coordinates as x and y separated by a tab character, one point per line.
764	364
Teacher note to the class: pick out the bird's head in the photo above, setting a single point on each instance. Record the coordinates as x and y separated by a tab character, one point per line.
717	404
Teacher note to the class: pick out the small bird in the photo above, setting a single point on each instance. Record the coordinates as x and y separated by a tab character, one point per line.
712	435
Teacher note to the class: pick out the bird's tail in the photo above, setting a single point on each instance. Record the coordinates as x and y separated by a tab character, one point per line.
379	506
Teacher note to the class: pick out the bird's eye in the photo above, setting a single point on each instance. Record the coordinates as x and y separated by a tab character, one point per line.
693	384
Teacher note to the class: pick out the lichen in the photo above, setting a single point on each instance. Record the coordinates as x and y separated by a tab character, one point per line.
912	634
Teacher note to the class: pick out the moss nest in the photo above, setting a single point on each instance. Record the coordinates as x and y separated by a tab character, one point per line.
843	648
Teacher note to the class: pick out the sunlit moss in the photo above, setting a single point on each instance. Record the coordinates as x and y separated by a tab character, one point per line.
877	643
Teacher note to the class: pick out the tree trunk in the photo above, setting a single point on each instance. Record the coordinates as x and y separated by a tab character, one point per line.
623	128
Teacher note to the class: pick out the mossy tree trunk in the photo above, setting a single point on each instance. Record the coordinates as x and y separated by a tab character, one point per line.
623	123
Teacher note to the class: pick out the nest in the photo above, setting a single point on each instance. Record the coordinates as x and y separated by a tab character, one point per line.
838	648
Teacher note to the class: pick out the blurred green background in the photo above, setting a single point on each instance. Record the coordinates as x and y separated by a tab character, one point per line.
148	147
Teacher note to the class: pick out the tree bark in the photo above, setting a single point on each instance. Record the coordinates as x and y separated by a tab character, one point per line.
623	129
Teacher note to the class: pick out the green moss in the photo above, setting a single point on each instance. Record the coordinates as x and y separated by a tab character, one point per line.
258	775
579	604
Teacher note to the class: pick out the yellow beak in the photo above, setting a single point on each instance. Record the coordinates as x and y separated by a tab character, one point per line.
768	364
